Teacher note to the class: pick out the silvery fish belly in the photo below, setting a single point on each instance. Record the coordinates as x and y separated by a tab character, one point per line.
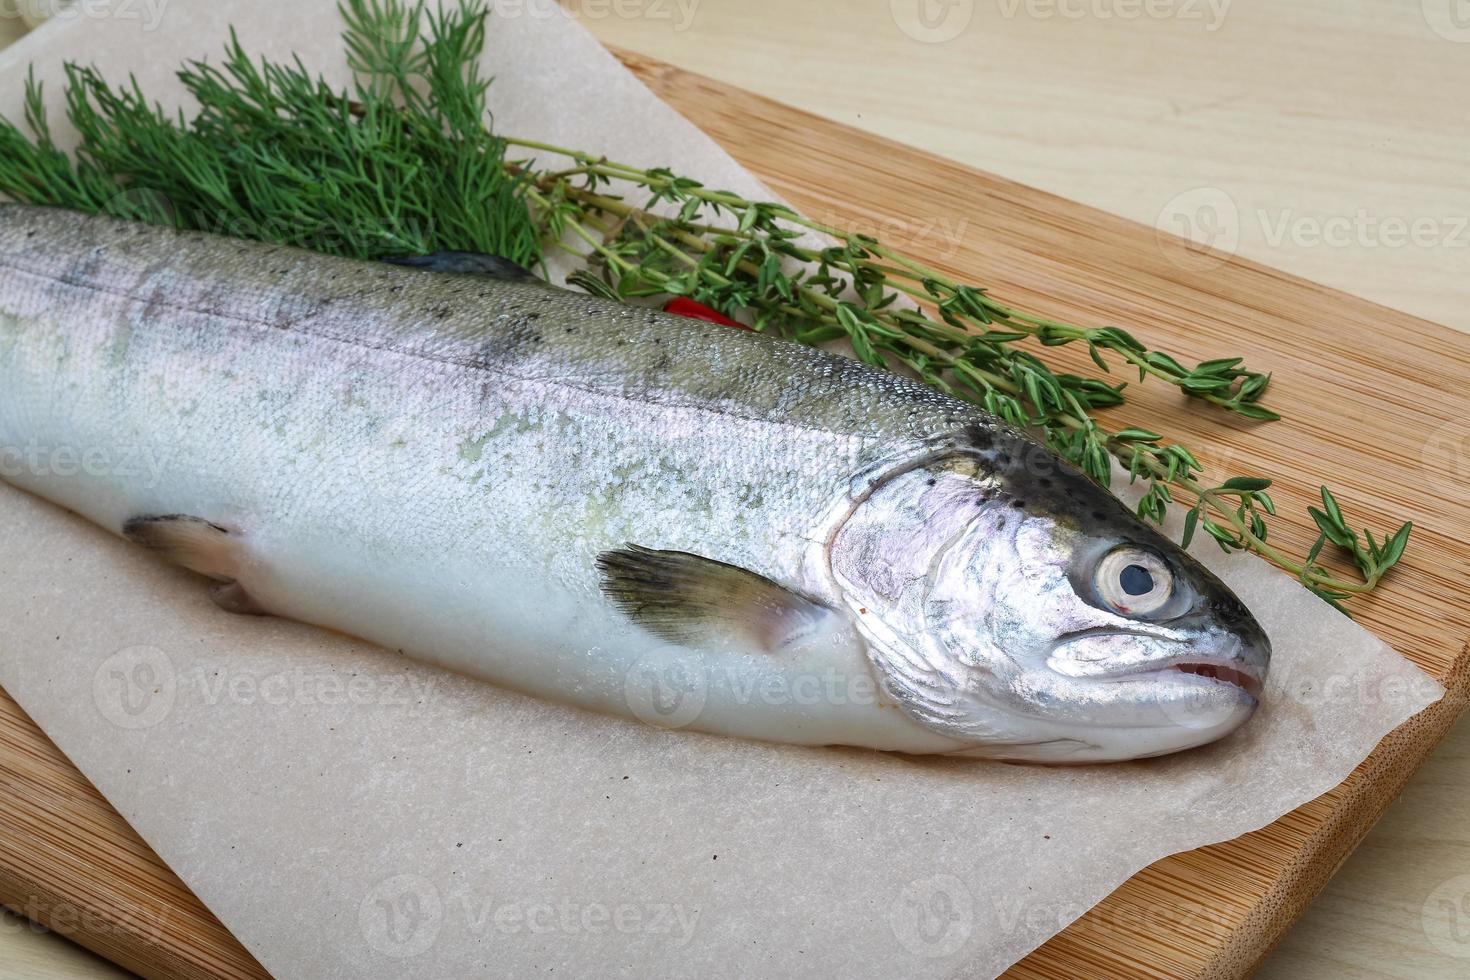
615	508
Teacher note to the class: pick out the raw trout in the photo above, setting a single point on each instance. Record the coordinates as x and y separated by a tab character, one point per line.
623	510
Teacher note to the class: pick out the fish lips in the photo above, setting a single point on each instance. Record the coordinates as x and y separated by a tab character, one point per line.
1206	680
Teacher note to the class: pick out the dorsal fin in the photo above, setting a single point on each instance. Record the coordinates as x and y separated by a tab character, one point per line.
468	264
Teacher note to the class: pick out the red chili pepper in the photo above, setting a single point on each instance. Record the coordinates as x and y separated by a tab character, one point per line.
684	306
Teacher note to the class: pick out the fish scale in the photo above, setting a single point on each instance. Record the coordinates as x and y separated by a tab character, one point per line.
601	504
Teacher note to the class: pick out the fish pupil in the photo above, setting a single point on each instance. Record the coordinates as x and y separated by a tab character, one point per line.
1136	580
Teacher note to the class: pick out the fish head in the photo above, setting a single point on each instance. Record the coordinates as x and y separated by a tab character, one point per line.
1012	603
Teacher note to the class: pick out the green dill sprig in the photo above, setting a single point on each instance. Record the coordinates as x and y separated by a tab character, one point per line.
402	165
408	161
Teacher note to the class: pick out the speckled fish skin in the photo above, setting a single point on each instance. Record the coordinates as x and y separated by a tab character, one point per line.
434	462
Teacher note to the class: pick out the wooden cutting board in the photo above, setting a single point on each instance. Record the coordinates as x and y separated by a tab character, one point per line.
1376	405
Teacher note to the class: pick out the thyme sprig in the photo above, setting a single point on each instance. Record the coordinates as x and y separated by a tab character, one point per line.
753	258
408	161
873	268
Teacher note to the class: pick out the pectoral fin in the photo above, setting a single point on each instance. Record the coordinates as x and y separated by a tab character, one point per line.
469	264
203	547
699	602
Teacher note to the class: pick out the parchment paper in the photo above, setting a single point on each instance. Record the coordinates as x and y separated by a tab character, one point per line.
350	814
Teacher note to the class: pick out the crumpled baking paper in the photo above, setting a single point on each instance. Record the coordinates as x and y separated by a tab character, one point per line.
351	814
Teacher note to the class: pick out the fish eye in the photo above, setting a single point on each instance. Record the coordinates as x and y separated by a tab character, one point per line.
1133	582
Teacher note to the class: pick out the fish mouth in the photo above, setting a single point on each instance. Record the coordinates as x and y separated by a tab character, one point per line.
1249	683
1233	672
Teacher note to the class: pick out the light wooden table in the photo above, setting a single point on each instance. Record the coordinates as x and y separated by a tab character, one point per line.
1334	130
28	953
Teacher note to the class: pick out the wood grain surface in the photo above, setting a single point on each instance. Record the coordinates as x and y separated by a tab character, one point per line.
70	863
1329	128
1211	912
